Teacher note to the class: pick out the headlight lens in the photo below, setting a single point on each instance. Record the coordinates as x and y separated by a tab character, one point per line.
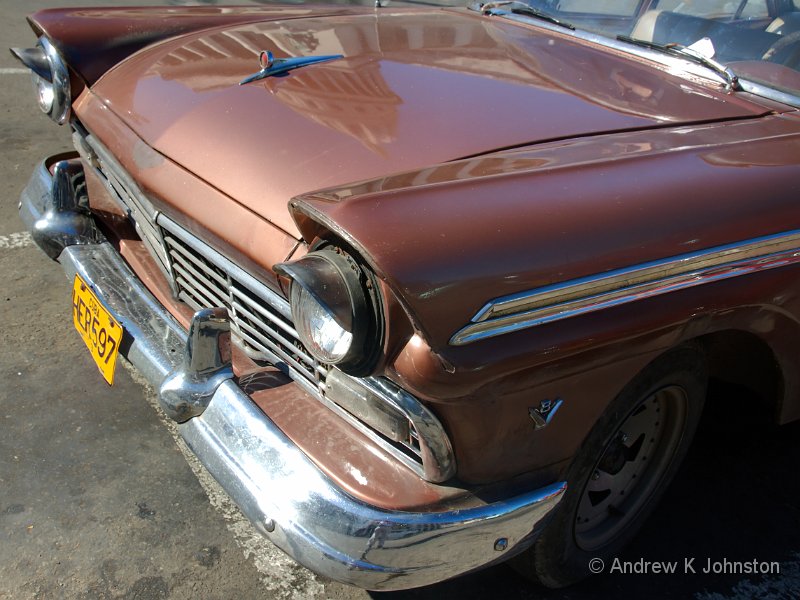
316	326
335	309
44	93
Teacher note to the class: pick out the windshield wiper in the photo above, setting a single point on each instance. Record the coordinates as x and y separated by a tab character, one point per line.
520	8
673	49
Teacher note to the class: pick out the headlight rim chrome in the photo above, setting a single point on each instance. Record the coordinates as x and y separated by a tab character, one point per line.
60	109
366	318
48	69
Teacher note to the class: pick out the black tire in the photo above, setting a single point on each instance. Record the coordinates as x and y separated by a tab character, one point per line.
596	519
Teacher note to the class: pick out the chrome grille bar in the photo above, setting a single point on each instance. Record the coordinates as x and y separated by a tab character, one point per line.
206	278
241	295
126	193
261	321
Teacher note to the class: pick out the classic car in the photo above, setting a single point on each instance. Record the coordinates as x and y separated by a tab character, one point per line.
430	288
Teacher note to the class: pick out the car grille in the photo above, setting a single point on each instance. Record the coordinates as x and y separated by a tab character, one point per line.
209	279
261	321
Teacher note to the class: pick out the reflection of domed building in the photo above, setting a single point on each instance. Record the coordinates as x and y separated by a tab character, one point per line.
327	99
354	95
349	96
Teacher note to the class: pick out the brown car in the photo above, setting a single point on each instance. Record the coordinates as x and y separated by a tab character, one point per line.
431	288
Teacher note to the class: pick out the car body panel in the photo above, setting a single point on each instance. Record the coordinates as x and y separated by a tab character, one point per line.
392	103
93	40
466	383
464	158
560	191
173	189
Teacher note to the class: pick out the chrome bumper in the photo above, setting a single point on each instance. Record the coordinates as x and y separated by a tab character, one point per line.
284	494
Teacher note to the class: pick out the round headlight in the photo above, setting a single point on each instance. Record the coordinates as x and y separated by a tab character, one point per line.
55	97
335	310
318	328
50	78
44	92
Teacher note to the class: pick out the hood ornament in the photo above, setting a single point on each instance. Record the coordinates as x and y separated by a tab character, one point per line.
271	66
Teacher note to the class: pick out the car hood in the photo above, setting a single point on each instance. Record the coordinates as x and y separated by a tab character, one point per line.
413	88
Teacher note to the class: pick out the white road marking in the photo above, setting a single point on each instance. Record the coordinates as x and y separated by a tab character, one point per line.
13	71
15	240
280	575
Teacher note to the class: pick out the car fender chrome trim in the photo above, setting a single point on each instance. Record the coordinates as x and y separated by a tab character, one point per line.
186	392
35	59
62	94
55	213
45	61
286	496
597	292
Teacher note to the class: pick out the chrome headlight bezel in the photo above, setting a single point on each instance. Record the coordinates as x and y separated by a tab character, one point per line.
50	78
336	309
62	100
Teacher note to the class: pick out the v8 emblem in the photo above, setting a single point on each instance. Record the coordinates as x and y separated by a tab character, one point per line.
544	413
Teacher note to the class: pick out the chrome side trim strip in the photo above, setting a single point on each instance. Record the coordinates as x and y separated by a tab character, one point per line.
598	292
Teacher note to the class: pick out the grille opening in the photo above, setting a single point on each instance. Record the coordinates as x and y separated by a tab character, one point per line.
202	278
260	330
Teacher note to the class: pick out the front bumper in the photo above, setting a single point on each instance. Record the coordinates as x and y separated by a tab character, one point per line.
277	486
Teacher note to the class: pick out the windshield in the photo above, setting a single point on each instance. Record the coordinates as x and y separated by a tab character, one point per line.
758	40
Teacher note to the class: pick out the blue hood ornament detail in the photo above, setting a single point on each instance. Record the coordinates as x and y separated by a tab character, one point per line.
276	66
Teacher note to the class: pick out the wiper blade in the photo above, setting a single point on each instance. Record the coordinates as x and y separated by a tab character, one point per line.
673	49
520	8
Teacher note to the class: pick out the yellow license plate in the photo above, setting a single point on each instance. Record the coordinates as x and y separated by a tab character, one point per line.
100	331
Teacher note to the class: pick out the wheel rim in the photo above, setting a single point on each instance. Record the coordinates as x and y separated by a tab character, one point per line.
631	467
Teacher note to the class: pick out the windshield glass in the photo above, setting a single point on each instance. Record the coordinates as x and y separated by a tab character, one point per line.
758	40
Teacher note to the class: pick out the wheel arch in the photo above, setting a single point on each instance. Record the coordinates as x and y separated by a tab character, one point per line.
740	357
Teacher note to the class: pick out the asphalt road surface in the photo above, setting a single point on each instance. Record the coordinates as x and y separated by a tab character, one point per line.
99	500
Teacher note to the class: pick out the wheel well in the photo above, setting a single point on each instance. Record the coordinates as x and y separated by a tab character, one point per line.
742	359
